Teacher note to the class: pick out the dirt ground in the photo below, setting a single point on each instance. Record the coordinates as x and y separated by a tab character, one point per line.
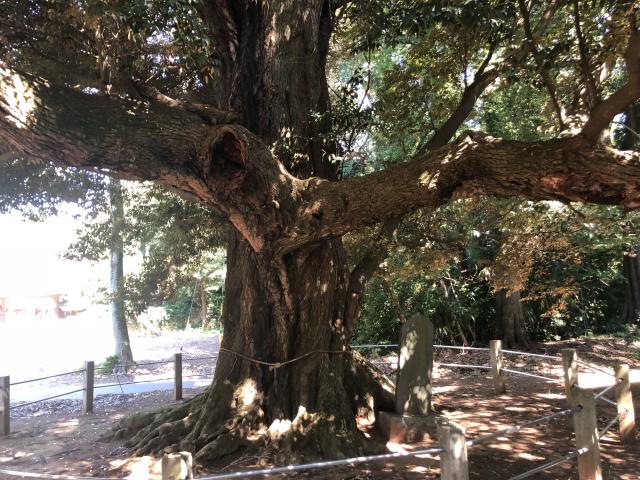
59	440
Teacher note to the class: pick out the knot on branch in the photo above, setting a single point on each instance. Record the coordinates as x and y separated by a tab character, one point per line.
224	157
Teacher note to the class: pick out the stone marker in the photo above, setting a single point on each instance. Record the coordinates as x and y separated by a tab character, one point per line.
413	420
415	367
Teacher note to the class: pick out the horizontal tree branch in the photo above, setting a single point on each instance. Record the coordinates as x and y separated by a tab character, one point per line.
566	169
225	167
229	168
603	113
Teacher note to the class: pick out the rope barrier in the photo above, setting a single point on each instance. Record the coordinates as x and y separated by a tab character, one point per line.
608	427
274	365
527	374
47	377
51	476
131	383
356	347
458	347
601	394
44	399
594	367
516	428
461	365
607	400
316	465
129	365
527	354
205	357
550	464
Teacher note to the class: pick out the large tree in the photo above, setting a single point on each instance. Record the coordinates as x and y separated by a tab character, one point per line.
227	103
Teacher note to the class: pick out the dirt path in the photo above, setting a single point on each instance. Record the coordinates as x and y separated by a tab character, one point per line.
67	443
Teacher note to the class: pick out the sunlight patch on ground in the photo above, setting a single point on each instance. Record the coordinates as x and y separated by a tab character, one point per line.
396	447
419	469
66	427
445	389
516	409
528	456
21	454
138	468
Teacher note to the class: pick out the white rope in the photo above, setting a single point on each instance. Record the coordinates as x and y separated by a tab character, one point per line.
550	464
516	428
20	405
458	347
595	368
527	354
601	394
15	473
607	427
461	365
316	465
356	347
607	400
46	378
527	374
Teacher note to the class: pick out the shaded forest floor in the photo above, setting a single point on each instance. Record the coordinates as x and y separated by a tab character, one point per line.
67	443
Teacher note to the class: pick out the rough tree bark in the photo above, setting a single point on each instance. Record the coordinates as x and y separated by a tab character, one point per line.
116	281
510	324
631	270
285	376
281	308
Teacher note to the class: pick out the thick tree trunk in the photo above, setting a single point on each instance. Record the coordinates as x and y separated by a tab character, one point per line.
510	324
631	270
203	311
116	284
285	369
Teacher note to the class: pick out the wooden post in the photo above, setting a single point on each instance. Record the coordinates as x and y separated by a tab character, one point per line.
177	379
495	351
585	425
570	367
5	419
624	401
453	461
87	398
177	466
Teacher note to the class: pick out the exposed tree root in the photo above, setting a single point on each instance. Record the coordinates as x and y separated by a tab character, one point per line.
215	426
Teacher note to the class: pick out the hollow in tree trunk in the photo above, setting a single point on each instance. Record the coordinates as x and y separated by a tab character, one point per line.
510	324
116	284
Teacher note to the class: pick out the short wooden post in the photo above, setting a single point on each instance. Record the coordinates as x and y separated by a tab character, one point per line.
624	401
177	466
585	425
570	367
177	379
87	397
453	461
495	351
5	419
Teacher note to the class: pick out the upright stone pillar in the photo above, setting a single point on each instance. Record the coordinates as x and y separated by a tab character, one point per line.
415	367
413	419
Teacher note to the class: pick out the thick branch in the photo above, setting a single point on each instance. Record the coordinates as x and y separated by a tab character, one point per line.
222	166
585	64
544	73
482	80
564	169
603	113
